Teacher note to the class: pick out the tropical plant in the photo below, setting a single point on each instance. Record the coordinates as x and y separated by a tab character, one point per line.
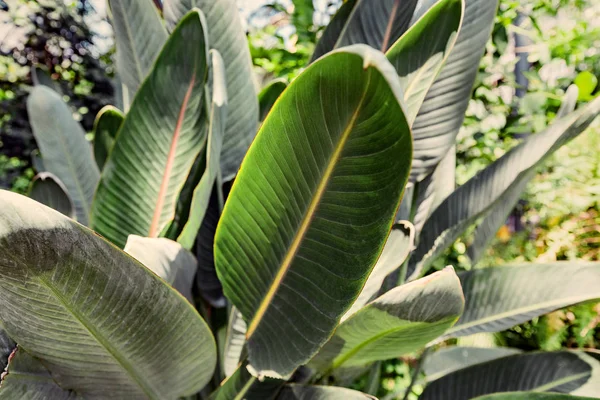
315	262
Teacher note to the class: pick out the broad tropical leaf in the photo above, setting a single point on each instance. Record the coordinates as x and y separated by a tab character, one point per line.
139	38
243	385
399	322
268	95
47	189
234	342
229	39
312	205
334	28
499	298
167	259
420	53
442	113
161	136
531	396
7	346
450	359
107	124
66	152
489	188
27	378
307	392
562	372
60	284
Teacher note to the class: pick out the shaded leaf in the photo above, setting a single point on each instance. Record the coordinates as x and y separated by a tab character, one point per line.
331	34
7	346
41	76
307	392
531	396
243	385
268	95
47	189
107	124
234	342
37	161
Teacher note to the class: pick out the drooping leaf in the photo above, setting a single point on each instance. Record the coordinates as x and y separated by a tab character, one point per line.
489	188
66	152
398	246
441	115
243	385
234	342
107	124
161	136
399	322
47	189
562	372
331	34
312	205
531	396
421	52
139	38
450	359
308	392
167	259
268	95
27	378
227	36
7	346
87	310
499	298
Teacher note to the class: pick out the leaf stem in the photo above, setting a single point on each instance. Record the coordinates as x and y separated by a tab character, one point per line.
388	29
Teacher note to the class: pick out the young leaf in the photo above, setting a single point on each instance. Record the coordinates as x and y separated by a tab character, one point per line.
47	189
96	318
66	152
107	124
268	95
312	205
156	146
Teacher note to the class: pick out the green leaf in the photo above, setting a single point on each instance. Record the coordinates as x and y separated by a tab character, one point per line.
312	205
499	298
167	259
563	372
66	152
307	392
243	385
399	322
7	346
332	32
531	396
229	38
234	342
450	359
212	173
268	95
47	189
421	52
586	83
158	142
96	318
441	115
107	124
139	38
492	186
27	378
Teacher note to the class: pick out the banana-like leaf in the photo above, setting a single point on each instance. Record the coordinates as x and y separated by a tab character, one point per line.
450	359
96	318
107	124
484	192
577	373
377	23
531	396
332	32
312	205
7	346
158	142
398	246
212	173
234	342
167	259
441	115
308	392
243	385
499	298
27	378
399	322
139	38
420	53
47	189
227	36
268	95
66	152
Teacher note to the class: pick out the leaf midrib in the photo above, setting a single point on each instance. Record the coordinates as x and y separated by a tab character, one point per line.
306	220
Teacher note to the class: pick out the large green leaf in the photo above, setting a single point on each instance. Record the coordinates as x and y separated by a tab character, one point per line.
312	205
96	318
47	189
531	396
420	53
139	37
269	94
441	115
563	372
489	188
499	298
307	392
107	124
399	322
66	152
26	378
450	359
161	136
228	37
332	32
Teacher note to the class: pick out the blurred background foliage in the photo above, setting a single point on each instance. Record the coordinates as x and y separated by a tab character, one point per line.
537	49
